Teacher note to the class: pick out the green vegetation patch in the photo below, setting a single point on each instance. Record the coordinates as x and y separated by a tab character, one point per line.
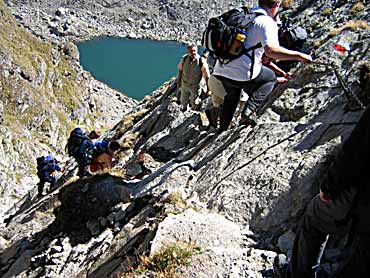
166	262
358	7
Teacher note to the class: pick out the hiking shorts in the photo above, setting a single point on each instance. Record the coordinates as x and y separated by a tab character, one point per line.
189	96
218	91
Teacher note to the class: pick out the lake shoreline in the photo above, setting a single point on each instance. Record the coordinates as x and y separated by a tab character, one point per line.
106	58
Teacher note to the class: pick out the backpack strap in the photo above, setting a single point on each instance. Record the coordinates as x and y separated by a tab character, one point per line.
184	58
252	57
252	48
187	56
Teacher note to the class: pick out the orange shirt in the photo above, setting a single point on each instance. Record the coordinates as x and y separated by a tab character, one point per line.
101	162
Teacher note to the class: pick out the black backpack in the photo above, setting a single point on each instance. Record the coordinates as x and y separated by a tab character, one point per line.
291	36
224	35
78	143
43	163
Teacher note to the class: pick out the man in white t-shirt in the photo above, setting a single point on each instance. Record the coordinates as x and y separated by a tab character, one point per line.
249	74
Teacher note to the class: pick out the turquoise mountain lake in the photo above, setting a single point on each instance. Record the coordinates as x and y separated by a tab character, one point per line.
133	67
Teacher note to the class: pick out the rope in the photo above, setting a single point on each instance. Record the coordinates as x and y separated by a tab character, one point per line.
274	145
258	155
349	94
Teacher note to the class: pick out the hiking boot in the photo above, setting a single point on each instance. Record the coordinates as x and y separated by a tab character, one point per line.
248	117
51	188
211	129
250	120
281	266
212	116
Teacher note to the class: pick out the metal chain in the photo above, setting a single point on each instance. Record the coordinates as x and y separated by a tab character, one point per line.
349	93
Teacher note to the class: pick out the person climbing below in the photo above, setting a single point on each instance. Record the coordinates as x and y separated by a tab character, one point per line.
341	207
204	91
191	68
81	147
214	108
106	159
46	166
292	37
210	58
94	134
282	76
247	72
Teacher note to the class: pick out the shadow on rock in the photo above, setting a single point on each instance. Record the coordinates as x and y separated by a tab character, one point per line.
85	202
82	202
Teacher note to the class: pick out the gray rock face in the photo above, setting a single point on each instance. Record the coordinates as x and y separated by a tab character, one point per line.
44	94
58	20
89	201
219	255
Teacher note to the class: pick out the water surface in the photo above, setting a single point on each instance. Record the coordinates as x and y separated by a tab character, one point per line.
133	67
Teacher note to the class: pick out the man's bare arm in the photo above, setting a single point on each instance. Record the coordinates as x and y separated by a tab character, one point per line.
281	53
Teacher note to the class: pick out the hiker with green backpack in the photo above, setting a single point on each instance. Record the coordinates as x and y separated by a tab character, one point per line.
249	34
192	68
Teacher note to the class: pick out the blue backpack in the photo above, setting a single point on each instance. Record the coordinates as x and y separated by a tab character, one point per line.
78	143
82	148
44	163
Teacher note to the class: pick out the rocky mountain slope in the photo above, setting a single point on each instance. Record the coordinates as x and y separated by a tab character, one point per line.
161	20
44	93
233	198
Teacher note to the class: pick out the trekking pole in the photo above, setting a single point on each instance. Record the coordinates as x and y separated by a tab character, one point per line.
349	94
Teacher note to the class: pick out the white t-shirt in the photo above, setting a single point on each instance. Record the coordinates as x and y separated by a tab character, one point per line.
264	30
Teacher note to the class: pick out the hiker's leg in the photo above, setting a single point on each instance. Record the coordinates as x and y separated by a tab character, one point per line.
358	257
231	101
356	262
241	106
184	97
243	100
194	99
40	187
258	89
306	246
319	220
218	91
228	110
178	96
213	111
52	182
81	169
213	114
